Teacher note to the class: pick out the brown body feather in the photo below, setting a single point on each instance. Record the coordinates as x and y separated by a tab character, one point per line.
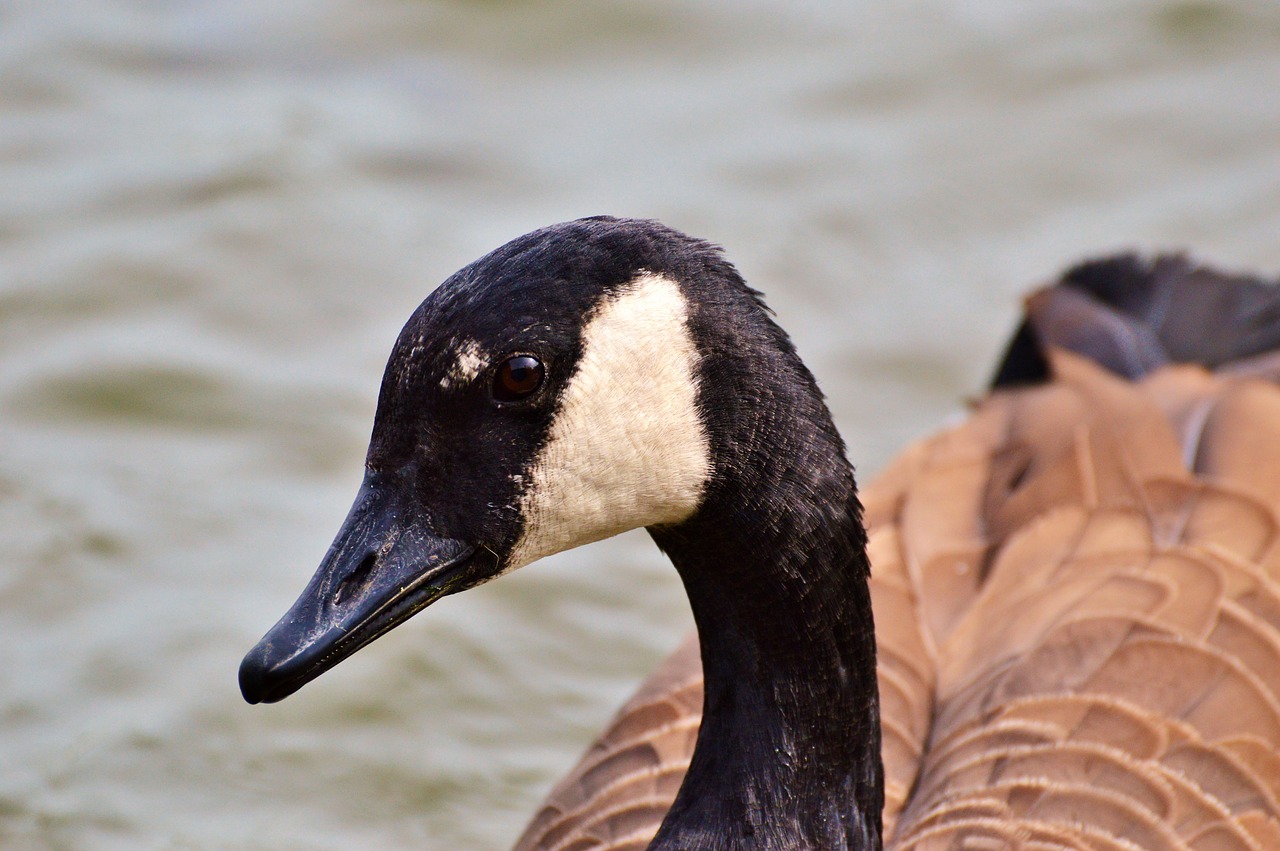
1077	599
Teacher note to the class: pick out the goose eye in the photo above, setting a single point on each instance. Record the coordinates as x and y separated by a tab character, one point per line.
517	378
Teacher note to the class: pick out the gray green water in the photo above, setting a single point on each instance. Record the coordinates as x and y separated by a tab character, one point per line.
215	215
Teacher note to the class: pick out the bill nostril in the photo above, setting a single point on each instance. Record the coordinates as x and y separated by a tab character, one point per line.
356	581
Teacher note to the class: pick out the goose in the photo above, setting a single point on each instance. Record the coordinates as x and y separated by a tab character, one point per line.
1076	635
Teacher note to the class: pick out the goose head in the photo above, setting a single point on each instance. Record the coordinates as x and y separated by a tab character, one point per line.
602	375
582	380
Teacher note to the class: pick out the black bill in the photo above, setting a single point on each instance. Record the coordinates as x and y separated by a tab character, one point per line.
382	569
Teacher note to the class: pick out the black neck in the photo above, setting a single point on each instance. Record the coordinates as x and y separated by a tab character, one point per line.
788	755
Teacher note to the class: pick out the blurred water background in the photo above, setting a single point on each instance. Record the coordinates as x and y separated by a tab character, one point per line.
215	215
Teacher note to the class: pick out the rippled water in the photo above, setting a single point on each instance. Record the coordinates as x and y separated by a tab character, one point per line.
214	217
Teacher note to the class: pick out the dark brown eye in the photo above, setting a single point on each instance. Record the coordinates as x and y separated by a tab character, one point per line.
517	378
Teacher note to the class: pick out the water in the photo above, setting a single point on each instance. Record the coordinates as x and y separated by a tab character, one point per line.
215	216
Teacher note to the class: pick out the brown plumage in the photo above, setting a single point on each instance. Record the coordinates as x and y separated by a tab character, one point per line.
1076	591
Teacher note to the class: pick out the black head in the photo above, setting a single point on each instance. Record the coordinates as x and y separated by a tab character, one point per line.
552	393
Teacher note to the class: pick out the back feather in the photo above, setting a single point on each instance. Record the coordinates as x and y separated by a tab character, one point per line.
1077	595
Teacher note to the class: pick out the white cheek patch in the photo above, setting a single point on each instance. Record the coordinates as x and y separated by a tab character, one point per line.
470	363
627	448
